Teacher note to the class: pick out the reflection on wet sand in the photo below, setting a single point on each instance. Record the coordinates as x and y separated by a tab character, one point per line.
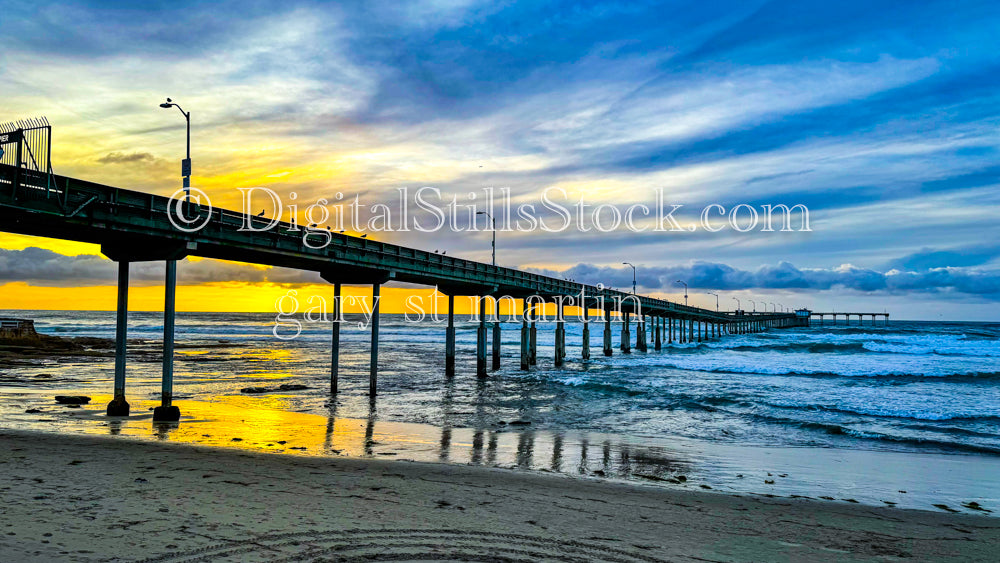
236	422
224	424
242	423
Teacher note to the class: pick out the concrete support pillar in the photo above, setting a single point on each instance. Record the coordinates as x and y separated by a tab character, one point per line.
335	341
167	412
525	357
449	340
496	342
701	329
373	362
533	339
118	405
626	336
481	340
658	343
670	330
607	332
585	352
640	331
690	337
560	352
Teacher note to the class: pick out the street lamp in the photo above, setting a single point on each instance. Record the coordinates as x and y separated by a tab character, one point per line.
633	276
739	306
685	291
716	300
493	219
754	305
186	163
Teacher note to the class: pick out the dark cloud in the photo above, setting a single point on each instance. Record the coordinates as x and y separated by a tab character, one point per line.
122	158
785	276
39	266
929	258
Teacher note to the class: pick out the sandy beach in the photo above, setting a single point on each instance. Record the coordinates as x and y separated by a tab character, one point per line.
87	498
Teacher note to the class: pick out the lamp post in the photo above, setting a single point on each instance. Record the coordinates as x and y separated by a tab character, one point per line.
739	306
685	291
494	221
716	300
633	276
754	305
186	163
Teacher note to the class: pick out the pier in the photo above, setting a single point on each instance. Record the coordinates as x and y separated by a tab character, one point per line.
847	317
132	226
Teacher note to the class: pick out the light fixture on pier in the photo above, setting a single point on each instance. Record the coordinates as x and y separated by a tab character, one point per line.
633	275
685	291
186	163
493	219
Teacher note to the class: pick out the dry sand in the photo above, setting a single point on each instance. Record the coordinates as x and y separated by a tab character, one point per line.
74	498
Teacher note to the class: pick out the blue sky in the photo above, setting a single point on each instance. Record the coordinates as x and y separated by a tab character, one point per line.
881	117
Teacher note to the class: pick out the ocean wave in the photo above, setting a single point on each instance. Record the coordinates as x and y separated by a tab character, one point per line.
810	347
781	363
897	411
834	429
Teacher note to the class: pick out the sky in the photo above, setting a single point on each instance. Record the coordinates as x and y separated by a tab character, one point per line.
881	118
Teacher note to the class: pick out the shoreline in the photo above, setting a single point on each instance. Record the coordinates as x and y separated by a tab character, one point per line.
103	498
836	476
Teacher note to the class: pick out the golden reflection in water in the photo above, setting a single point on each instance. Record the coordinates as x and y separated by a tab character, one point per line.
255	402
267	355
260	424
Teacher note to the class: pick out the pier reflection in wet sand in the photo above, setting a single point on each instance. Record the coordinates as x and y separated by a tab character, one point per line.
231	424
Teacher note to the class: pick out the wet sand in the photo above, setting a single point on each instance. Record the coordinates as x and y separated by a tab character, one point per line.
85	498
264	424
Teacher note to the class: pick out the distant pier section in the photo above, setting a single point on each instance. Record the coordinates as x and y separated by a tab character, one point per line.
847	318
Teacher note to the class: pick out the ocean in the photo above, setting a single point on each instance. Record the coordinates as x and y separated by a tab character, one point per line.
910	387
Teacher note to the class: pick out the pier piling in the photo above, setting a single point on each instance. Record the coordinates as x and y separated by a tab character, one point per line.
626	343
335	341
533	339
167	412
118	405
560	351
373	364
481	340
607	331
525	360
449	340
496	341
